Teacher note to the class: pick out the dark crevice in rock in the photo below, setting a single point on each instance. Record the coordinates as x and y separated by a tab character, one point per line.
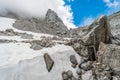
92	54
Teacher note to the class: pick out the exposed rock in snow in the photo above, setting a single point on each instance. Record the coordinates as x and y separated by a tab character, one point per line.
73	61
49	62
86	65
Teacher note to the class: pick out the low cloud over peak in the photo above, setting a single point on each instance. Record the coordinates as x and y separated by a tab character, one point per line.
37	8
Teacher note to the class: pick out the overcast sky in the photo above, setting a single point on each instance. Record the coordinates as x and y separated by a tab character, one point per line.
72	12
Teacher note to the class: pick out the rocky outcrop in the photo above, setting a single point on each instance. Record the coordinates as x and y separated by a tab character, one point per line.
88	43
52	24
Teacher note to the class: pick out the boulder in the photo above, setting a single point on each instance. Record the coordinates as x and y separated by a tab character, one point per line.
88	42
73	60
49	62
86	65
69	73
64	76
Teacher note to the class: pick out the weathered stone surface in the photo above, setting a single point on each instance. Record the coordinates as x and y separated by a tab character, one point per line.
78	71
36	46
69	73
109	54
97	32
102	72
115	78
114	21
64	76
88	43
73	60
39	44
49	62
86	65
87	75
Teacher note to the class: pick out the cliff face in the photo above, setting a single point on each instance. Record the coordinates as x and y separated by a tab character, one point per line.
114	21
52	24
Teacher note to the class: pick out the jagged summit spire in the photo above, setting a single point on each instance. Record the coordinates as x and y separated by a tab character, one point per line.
51	16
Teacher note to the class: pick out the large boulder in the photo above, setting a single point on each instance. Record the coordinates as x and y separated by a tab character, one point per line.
97	32
88	42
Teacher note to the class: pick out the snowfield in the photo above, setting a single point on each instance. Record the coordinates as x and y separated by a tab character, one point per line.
19	62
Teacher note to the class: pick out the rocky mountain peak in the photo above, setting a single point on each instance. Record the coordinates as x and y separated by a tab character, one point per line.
52	16
52	24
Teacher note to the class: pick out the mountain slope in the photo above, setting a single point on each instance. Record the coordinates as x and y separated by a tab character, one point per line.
52	24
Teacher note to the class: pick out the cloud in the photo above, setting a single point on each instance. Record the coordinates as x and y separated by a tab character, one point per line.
38	8
70	0
87	21
113	6
111	3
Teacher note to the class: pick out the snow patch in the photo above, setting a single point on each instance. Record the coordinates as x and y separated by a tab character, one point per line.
19	62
